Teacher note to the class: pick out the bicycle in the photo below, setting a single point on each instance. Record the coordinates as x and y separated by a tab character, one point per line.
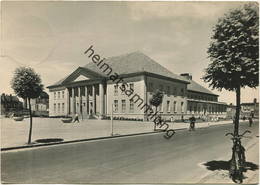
238	159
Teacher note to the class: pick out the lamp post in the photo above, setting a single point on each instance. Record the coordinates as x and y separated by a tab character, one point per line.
112	124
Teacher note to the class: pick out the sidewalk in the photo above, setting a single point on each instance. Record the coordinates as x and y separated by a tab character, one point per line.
15	134
251	177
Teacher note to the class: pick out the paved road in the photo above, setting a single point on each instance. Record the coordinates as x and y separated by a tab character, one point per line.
139	159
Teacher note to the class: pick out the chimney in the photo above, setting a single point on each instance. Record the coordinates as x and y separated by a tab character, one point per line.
187	76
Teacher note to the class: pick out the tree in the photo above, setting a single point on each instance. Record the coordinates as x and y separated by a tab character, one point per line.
234	53
156	100
27	85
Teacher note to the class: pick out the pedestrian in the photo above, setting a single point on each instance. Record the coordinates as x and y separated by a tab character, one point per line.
250	121
192	123
76	118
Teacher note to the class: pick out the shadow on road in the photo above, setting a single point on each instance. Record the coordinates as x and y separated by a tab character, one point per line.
225	165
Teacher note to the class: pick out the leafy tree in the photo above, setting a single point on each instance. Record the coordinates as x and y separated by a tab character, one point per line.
27	85
234	53
156	100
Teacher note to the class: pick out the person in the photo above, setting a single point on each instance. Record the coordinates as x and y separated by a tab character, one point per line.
76	118
250	121
192	123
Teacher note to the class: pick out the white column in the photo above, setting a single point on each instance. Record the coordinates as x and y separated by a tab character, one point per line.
73	101
68	101
101	95
94	99
80	103
87	99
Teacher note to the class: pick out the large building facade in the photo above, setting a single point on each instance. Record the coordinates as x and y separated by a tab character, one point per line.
90	90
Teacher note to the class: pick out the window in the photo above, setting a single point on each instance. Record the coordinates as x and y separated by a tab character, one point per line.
174	106
115	105
168	106
54	107
131	105
123	86
58	95
62	107
115	90
62	94
58	107
54	95
182	107
123	106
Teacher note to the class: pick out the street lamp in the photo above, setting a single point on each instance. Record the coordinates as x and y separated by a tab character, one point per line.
112	124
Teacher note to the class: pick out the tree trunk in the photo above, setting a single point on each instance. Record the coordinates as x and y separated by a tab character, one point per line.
236	125
154	122
30	131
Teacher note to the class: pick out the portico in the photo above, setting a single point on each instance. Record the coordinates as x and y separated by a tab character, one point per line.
86	99
83	92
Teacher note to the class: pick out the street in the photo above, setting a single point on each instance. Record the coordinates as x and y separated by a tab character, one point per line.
138	159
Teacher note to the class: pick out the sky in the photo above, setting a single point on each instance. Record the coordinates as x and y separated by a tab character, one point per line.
51	36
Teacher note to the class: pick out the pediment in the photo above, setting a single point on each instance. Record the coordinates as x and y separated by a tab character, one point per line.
81	74
80	78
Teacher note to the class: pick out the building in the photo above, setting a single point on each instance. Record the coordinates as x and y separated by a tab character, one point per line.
40	105
202	102
10	104
231	111
250	108
93	90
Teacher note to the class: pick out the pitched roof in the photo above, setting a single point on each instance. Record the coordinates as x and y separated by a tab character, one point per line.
133	63
194	86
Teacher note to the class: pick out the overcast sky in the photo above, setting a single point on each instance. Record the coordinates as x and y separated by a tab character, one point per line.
51	37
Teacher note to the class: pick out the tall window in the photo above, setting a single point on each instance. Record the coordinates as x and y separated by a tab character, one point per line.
174	106
54	107
115	90
123	106
62	107
115	105
58	107
58	95
62	94
131	105
182	107
54	95
123	87
168	106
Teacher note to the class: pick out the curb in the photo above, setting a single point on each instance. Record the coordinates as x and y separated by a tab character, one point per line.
80	140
